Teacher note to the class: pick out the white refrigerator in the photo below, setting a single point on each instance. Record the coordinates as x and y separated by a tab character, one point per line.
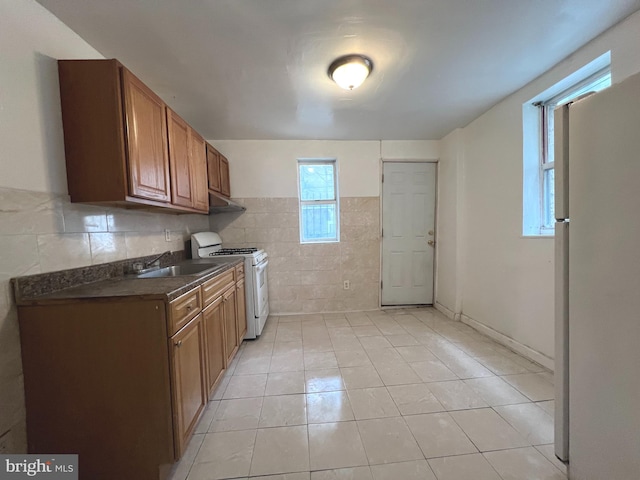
597	261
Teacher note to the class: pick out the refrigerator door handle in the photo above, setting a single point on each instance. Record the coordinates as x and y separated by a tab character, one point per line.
561	373
561	161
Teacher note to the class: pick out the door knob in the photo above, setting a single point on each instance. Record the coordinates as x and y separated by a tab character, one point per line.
431	242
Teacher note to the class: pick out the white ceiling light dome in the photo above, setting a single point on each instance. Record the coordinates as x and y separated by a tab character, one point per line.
350	71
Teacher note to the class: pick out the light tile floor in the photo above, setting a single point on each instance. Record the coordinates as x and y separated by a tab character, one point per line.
383	395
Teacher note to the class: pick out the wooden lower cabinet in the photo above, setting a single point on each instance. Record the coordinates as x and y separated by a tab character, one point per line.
126	378
97	378
241	311
190	394
214	334
231	329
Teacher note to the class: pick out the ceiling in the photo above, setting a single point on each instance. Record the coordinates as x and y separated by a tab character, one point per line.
257	69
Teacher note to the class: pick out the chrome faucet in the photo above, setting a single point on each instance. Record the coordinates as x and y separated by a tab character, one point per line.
140	267
155	259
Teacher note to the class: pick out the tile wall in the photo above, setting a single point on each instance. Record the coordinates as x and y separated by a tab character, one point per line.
42	232
309	278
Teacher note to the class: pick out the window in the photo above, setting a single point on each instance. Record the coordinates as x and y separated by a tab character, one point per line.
318	193
538	144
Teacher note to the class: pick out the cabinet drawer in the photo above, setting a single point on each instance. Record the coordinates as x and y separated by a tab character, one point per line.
183	309
239	271
214	287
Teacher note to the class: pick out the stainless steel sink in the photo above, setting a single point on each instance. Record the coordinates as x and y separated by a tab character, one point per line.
178	270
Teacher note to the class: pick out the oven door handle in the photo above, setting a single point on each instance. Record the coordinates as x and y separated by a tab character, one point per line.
261	266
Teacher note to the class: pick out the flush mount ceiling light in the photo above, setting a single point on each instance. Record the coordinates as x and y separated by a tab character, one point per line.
350	71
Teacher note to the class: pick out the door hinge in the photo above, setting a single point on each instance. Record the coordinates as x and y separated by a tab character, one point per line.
383	178
380	284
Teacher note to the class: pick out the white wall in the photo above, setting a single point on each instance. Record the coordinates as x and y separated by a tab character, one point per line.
253	161
31	40
449	223
410	149
309	278
267	168
506	280
40	230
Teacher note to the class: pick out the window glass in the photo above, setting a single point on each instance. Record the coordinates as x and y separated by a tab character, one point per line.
318	193
538	143
316	182
595	83
319	222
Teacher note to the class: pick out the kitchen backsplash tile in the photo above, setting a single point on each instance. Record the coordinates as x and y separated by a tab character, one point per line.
60	251
139	244
309	278
24	212
19	255
43	232
107	247
84	218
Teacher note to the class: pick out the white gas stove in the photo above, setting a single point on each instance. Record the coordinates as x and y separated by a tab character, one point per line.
209	245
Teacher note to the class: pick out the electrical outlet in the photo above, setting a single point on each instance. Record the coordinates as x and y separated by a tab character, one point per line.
347	285
167	235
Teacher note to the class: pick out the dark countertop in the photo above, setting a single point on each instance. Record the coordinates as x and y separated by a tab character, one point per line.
117	286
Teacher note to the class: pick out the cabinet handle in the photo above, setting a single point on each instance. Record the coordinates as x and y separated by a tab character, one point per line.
189	307
179	343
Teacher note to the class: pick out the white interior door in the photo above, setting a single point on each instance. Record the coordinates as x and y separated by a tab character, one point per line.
408	235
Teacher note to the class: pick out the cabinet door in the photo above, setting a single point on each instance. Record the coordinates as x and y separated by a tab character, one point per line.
230	327
146	134
213	318
199	172
225	183
179	160
241	311
213	168
188	381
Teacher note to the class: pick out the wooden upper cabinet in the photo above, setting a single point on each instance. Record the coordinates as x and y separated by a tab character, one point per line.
225	183
199	172
218	172
146	133
180	160
213	168
123	146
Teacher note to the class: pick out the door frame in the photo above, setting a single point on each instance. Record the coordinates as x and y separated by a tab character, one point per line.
435	222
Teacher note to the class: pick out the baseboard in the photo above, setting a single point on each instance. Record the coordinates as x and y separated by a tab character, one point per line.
288	314
510	343
444	310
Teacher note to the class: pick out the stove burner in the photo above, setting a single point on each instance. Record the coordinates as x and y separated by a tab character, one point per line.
234	251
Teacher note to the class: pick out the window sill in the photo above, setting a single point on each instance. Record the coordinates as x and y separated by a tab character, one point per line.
318	242
538	236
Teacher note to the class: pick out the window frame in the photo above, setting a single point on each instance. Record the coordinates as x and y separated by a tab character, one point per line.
538	116
546	117
547	108
335	201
